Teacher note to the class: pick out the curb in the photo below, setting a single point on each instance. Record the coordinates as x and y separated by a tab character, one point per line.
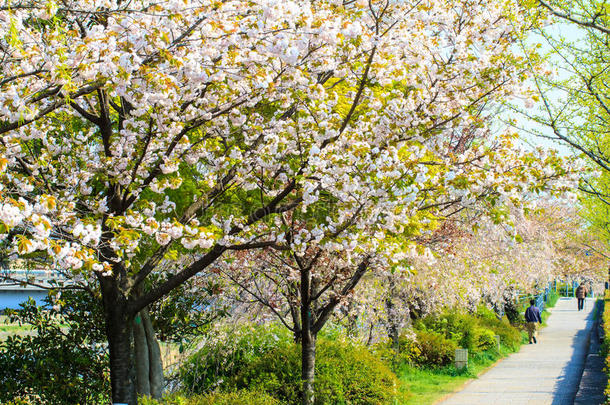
594	380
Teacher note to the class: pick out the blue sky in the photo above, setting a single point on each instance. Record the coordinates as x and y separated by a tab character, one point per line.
571	33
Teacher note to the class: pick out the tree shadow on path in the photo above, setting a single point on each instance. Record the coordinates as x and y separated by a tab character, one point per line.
567	384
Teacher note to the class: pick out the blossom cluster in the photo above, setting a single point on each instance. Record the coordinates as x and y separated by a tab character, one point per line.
165	126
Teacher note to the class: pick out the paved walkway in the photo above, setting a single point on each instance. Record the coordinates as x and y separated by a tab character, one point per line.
545	373
594	379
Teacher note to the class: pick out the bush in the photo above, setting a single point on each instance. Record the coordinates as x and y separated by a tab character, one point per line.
352	375
259	360
227	352
408	351
484	339
242	397
276	372
345	374
63	362
509	335
455	326
473	332
434	349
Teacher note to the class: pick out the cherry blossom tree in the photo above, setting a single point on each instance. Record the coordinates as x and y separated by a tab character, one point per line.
322	255
133	132
488	263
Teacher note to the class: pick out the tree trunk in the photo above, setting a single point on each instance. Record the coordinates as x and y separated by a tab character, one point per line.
157	382
119	333
148	363
393	319
308	339
308	365
393	326
142	365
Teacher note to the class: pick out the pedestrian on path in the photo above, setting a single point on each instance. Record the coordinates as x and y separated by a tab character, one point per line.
581	293
532	316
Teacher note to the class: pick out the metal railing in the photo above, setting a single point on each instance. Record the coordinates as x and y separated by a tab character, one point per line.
542	298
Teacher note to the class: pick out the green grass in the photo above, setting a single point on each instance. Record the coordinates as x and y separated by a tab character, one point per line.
14	328
426	386
8	327
551	299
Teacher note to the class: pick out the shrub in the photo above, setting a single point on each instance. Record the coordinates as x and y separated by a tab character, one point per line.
265	360
473	332
345	374
455	326
224	353
509	335
275	372
352	375
63	361
484	339
434	349
408	351
242	397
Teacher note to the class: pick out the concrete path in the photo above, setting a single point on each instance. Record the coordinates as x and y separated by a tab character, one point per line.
594	378
545	373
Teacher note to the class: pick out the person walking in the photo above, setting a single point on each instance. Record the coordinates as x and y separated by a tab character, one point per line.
532	316
581	294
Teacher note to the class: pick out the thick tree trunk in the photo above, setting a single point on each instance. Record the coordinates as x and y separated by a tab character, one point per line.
119	333
148	364
142	365
308	365
157	382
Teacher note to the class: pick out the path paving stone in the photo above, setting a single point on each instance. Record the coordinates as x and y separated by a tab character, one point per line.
545	373
594	379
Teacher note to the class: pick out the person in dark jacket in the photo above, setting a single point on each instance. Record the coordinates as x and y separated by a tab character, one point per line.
532	317
581	294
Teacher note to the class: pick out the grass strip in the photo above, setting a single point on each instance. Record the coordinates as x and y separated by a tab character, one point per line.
427	386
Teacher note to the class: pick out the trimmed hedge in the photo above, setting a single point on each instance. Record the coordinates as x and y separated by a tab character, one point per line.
437	337
473	332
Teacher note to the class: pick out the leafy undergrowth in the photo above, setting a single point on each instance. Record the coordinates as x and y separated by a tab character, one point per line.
428	385
260	364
